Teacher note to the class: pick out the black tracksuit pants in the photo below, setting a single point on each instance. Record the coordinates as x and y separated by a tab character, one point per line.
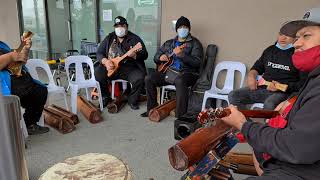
182	84
130	73
33	102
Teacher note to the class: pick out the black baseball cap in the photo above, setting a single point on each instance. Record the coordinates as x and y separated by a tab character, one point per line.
119	20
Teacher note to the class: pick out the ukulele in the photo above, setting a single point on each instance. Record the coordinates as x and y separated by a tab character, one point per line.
15	67
163	67
116	61
279	86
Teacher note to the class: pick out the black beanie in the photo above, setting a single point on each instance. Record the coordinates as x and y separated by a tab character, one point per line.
183	21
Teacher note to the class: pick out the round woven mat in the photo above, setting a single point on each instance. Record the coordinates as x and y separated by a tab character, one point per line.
92	166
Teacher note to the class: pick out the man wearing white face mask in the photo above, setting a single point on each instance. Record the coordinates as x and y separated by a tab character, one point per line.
186	52
132	68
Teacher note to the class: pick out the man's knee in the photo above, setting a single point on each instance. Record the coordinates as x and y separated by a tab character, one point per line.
269	104
100	73
234	96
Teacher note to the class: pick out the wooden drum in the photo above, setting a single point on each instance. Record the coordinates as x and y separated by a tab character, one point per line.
92	166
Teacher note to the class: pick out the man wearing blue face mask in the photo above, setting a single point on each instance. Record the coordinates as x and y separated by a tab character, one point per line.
275	66
186	53
132	68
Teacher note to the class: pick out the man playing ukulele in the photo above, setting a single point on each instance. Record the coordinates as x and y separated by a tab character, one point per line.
186	53
132	68
279	77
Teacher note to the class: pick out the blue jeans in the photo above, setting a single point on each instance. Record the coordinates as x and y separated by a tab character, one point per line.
243	96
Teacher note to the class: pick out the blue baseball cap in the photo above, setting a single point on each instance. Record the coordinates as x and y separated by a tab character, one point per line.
4	48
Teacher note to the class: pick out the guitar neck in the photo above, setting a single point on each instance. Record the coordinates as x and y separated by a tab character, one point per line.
124	56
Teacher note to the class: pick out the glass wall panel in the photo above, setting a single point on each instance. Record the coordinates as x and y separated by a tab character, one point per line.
34	20
83	21
59	27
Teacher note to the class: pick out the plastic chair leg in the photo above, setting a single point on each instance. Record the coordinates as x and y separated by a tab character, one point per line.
162	95
74	92
124	86
65	100
112	89
41	121
88	95
205	98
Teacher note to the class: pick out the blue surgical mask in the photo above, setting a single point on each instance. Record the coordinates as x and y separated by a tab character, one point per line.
284	48
183	32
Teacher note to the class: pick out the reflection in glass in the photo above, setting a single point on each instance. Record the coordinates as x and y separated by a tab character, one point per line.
83	21
34	20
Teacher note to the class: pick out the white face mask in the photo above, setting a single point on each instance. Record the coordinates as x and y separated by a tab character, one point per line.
120	31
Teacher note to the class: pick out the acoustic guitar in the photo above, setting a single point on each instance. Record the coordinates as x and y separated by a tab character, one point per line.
163	67
116	61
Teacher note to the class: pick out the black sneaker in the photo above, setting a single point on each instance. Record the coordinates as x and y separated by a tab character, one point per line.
36	129
134	106
145	114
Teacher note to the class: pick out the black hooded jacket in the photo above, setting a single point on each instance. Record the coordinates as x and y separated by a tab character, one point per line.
129	41
193	53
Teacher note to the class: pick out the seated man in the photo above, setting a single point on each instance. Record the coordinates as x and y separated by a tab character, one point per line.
32	94
275	66
293	150
186	52
132	68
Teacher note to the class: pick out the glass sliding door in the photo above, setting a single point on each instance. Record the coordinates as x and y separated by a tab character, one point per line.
59	27
83	21
34	20
143	19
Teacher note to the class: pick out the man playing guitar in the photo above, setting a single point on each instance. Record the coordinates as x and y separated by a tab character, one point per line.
186	53
121	55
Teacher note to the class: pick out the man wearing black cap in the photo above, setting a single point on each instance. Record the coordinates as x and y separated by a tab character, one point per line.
132	68
186	52
291	152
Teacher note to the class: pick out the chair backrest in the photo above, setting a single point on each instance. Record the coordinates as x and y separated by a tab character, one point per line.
231	67
33	64
79	61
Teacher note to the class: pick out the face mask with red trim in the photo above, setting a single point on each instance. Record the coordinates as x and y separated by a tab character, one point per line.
307	60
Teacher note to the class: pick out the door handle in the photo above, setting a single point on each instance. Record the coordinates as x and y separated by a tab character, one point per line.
69	30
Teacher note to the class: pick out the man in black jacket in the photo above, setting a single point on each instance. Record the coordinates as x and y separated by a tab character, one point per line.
275	66
186	52
294	149
132	68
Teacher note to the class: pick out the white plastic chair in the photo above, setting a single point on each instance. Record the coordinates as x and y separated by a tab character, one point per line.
113	82
163	89
80	81
257	105
33	64
222	94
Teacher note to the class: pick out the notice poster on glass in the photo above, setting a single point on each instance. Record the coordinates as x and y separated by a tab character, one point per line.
59	4
107	15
